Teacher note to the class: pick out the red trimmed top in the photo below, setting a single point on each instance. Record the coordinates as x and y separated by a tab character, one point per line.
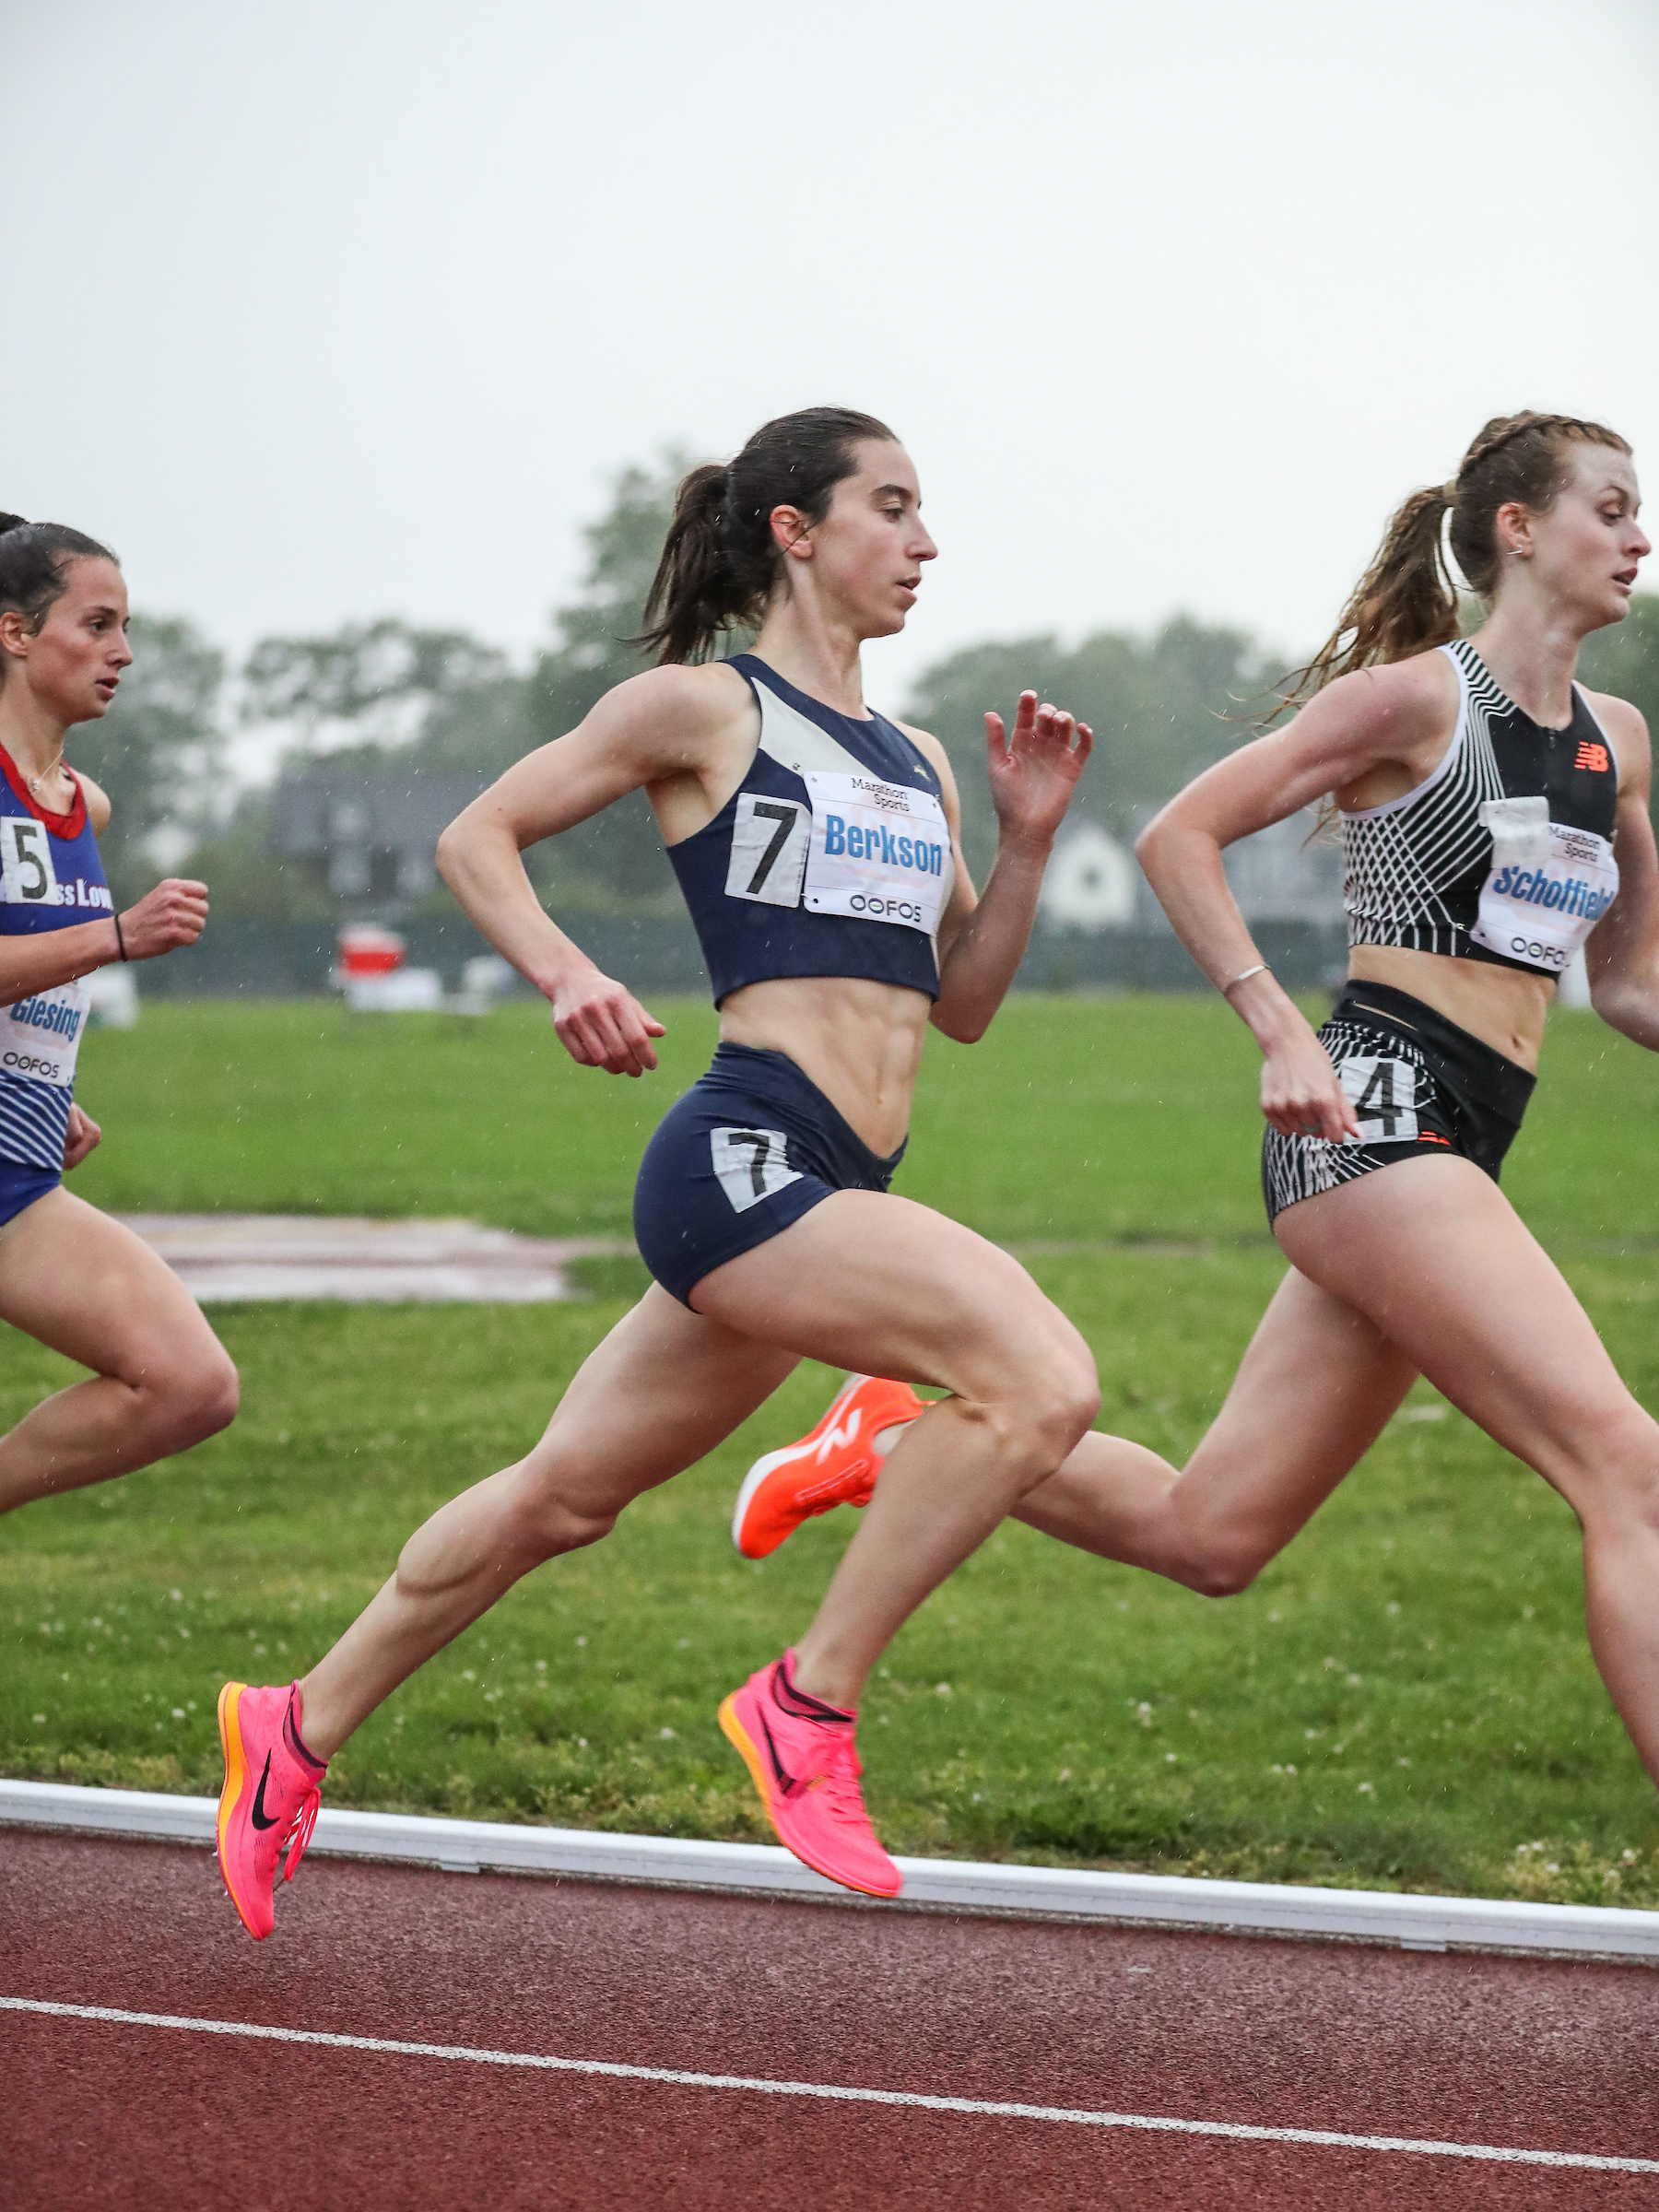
67	825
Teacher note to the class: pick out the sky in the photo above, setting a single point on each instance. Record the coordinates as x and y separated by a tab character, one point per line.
318	313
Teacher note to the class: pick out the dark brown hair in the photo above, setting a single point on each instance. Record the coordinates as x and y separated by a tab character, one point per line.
1407	599
720	561
35	559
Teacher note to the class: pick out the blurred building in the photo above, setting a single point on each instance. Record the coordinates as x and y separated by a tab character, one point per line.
1283	874
1291	872
372	838
1091	882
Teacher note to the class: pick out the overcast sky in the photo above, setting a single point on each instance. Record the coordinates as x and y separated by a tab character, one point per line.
321	311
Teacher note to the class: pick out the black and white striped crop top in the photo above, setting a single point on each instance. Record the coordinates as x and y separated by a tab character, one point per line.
1505	852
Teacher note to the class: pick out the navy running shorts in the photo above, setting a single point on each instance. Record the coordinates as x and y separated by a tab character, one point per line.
21	1185
1419	1086
748	1151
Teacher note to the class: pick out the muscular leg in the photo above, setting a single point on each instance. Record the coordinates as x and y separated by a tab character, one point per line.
1423	1267
862	1280
1313	1392
664	1388
88	1287
882	1285
1434	1254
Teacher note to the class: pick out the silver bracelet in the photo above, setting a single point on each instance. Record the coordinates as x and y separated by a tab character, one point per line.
1243	976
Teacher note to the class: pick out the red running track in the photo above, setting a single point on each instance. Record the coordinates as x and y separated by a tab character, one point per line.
94	2114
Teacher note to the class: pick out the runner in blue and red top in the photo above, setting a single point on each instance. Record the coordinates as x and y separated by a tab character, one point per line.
69	1274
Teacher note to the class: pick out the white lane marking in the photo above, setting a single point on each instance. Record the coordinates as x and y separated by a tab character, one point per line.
977	2108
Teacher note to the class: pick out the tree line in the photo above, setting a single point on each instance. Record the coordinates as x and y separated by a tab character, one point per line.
386	694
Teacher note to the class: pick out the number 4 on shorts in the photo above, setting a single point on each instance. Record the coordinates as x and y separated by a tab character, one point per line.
1384	1097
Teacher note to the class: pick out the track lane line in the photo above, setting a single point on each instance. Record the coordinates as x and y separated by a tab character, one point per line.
1148	2123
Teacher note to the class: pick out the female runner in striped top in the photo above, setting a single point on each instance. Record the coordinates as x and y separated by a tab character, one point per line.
69	1276
1495	820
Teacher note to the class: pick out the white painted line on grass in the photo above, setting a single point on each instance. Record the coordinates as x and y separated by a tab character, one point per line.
835	2093
956	1885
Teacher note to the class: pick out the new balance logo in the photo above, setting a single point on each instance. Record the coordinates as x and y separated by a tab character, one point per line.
838	1435
1593	756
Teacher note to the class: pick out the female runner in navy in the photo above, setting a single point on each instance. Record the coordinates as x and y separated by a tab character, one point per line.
1495	819
69	1276
816	844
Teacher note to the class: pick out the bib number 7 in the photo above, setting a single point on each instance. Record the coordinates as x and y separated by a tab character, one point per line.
751	1164
769	839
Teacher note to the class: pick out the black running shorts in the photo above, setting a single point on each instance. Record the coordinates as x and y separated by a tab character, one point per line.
1420	1086
748	1151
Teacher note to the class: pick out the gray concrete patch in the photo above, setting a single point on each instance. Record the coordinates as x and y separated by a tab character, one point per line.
274	1257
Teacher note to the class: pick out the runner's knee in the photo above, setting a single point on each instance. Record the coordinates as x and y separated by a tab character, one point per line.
1617	1486
1043	1408
548	1520
1626	1493
190	1397
1070	1405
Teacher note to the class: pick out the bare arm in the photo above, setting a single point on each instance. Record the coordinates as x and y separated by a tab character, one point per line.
1357	724
170	915
653	727
982	940
1622	954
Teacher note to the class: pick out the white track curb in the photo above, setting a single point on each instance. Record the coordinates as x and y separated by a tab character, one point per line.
962	1886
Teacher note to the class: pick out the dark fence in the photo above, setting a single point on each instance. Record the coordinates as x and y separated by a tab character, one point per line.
241	958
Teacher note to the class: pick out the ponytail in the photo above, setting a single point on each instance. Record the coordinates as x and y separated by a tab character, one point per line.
700	591
721	563
1407	600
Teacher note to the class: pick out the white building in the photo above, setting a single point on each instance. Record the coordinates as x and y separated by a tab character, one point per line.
1092	882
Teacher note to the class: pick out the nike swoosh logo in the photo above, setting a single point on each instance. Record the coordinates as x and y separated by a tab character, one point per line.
786	1781
260	1818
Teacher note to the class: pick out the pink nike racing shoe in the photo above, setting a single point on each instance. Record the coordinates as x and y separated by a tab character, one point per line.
835	1463
804	1763
270	1800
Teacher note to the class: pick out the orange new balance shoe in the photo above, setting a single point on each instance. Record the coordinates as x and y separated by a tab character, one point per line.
271	1797
837	1464
803	1760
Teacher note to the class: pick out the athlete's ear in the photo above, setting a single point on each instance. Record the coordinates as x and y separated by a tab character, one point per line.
16	632
1514	523
791	532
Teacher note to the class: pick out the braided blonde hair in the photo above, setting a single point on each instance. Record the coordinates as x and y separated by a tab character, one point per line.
1407	599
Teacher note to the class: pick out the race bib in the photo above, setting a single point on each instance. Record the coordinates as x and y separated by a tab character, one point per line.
26	875
770	838
1548	887
1383	1094
39	1037
879	851
751	1164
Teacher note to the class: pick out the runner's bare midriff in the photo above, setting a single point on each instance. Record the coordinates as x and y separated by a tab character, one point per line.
1503	1007
860	1041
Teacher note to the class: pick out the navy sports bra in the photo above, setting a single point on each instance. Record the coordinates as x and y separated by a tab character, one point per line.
1505	852
833	856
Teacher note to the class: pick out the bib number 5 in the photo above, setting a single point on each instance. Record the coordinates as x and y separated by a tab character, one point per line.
26	876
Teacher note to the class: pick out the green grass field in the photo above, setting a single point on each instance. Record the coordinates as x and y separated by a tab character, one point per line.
1404	1700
